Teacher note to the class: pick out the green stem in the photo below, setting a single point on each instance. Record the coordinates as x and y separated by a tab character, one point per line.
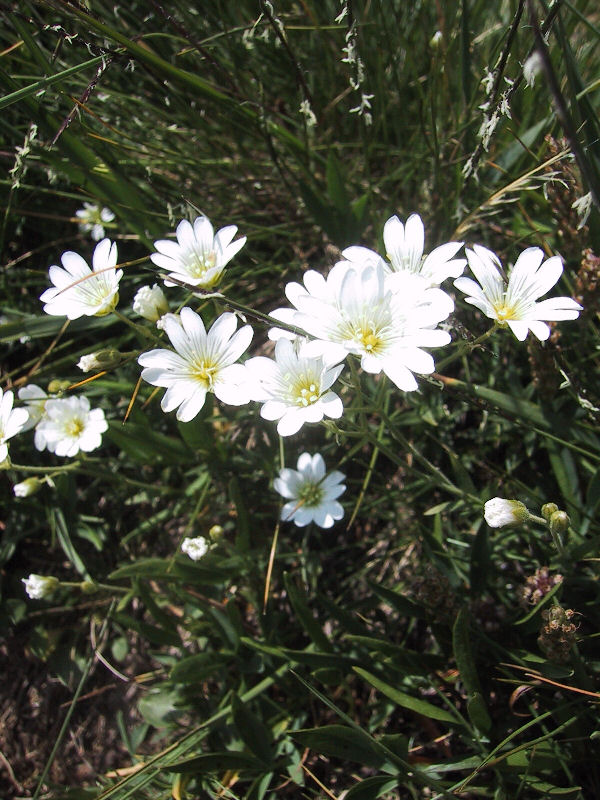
139	329
235	306
48	471
465	347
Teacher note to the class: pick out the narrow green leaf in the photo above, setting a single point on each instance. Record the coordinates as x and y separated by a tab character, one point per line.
461	643
153	633
336	187
253	732
216	762
372	788
305	615
64	538
44	83
196	668
478	713
407	701
341	742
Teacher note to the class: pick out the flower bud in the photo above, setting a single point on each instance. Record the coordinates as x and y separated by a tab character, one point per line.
559	523
56	386
436	40
40	586
215	532
150	303
103	359
548	509
88	587
195	548
501	513
27	487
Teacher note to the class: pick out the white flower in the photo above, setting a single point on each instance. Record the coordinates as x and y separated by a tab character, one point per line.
27	487
199	256
150	303
515	305
195	548
294	388
385	319
92	218
203	362
78	291
404	247
40	586
532	68
501	513
12	421
311	494
69	425
35	403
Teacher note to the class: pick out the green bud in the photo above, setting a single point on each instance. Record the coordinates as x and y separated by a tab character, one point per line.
559	523
56	386
88	587
436	40
103	359
216	532
548	509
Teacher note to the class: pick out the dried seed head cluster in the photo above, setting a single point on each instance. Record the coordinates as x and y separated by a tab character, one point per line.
537	586
587	281
562	193
432	590
558	634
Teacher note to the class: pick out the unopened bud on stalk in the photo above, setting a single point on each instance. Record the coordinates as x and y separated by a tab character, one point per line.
150	303
103	359
548	509
501	513
27	487
559	523
436	40
56	386
40	586
88	587
216	532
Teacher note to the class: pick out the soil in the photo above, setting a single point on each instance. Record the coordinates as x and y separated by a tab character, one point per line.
33	706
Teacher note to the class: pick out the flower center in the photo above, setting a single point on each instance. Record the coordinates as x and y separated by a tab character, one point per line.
205	372
75	427
504	311
304	390
310	495
367	337
200	263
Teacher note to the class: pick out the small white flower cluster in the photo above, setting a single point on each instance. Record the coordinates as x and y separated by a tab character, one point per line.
353	59
63	425
92	219
195	548
386	311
